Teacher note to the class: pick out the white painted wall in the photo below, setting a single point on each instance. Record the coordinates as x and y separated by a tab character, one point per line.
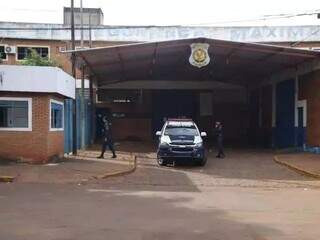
161	33
36	79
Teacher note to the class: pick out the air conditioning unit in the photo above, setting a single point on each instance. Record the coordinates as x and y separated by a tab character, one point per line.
80	48
10	49
62	49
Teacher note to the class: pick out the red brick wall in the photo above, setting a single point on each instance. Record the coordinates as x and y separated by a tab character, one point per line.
309	86
54	45
140	127
132	129
55	143
137	124
37	145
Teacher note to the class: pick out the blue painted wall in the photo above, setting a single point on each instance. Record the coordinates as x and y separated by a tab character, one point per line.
68	108
300	130
284	133
87	120
68	125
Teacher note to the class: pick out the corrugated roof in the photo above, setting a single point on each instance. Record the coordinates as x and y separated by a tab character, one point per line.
232	62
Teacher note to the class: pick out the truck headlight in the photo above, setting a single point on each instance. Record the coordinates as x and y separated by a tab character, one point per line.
164	144
199	145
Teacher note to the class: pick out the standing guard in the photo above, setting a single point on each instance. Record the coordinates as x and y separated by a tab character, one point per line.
218	130
107	138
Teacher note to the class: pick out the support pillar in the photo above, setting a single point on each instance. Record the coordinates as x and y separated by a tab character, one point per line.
92	112
82	109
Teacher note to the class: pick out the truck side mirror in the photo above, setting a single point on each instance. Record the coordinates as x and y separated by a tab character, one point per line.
158	133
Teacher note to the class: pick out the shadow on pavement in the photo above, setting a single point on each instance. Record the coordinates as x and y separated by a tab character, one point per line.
46	212
152	178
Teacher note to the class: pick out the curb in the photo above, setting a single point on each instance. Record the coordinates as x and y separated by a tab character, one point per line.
7	179
296	169
133	167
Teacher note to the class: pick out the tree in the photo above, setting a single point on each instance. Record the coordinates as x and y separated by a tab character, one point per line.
34	59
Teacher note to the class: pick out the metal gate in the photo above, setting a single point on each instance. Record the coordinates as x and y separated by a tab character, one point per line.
68	137
68	125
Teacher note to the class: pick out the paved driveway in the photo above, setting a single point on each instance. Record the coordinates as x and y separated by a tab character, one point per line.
241	168
245	196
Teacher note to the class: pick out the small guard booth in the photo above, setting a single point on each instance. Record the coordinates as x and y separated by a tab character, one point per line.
32	112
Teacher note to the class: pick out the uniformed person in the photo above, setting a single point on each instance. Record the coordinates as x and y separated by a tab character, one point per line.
218	130
107	138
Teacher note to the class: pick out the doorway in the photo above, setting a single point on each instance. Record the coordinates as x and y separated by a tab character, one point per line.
172	104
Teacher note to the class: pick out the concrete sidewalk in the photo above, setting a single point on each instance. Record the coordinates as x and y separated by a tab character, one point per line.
79	169
304	163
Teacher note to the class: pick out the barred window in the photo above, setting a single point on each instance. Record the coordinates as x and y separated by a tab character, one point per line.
24	51
3	55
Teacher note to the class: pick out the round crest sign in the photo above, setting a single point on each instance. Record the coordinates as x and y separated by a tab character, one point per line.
199	55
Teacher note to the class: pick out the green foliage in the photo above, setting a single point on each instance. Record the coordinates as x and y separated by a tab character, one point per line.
34	59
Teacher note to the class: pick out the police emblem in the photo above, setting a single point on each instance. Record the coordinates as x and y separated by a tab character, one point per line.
199	55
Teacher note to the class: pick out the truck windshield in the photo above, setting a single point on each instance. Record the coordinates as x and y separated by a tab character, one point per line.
181	131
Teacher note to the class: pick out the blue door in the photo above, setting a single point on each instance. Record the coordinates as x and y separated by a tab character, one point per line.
285	130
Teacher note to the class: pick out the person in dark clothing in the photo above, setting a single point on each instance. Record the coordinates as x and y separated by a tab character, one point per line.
107	138
218	130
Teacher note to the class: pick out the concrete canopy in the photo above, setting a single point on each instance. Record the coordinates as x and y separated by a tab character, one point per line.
235	63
